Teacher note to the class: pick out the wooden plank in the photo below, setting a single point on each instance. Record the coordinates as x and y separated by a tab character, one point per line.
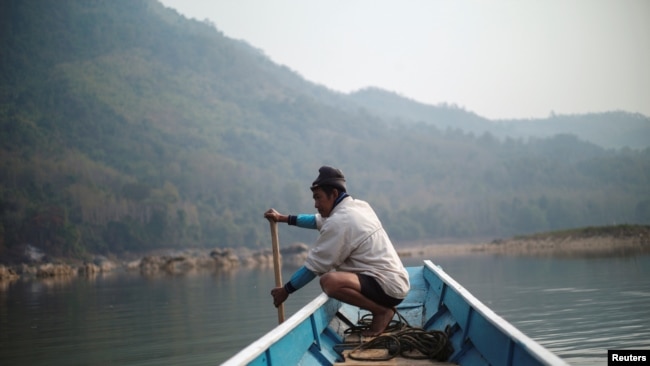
380	353
397	361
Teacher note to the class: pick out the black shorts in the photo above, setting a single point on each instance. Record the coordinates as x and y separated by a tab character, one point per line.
370	288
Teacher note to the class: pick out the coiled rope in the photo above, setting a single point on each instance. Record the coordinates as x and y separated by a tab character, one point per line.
364	323
402	340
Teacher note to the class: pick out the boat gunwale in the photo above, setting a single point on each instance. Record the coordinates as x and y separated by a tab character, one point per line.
259	346
538	351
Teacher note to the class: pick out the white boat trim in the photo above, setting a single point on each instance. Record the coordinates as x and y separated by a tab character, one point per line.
540	353
252	351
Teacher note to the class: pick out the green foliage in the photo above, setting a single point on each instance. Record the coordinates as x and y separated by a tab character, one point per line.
616	231
126	127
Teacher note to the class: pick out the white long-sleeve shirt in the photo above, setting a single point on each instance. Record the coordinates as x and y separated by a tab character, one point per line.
352	239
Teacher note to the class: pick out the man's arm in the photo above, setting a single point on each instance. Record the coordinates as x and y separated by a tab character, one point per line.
303	221
307	221
299	279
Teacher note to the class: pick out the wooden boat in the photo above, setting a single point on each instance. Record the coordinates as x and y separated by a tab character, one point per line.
316	334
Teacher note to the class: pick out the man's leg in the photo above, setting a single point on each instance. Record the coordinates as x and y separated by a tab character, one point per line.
345	286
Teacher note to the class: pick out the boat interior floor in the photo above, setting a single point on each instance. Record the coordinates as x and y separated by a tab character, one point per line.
375	356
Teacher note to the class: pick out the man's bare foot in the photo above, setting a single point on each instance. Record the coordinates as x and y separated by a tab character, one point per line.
379	322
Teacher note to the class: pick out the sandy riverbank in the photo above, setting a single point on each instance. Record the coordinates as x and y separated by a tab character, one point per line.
617	241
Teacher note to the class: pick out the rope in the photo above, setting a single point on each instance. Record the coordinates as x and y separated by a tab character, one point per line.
402	340
366	320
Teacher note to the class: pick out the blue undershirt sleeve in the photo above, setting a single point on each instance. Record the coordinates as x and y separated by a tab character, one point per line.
299	279
306	221
303	220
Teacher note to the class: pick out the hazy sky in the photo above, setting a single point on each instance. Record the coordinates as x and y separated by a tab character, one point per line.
498	58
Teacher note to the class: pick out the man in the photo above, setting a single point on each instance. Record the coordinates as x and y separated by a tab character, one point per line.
353	255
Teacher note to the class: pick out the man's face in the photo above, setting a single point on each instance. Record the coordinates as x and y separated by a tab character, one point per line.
324	203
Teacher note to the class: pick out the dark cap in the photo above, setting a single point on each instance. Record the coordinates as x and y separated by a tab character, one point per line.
328	176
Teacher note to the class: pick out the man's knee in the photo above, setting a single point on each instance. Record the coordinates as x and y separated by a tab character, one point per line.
327	283
332	282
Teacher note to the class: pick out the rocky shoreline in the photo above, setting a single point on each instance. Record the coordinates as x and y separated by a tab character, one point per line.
621	240
176	262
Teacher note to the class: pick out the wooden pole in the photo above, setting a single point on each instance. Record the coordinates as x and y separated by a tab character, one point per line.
277	265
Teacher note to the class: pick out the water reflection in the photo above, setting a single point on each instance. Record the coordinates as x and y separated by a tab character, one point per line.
576	307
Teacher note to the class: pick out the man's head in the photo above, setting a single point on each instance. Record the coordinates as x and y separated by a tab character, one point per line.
326	189
328	176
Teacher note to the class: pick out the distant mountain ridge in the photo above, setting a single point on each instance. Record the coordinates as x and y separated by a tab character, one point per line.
615	129
127	127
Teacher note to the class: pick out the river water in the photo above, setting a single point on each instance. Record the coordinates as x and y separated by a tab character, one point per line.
577	307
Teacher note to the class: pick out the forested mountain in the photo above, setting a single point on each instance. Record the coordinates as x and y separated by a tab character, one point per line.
127	127
616	129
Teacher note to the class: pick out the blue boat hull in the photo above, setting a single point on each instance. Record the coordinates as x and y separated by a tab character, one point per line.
436	301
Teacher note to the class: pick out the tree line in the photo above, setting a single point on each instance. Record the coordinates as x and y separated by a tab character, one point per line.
126	127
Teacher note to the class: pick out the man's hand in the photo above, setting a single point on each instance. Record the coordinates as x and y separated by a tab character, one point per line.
273	215
280	295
